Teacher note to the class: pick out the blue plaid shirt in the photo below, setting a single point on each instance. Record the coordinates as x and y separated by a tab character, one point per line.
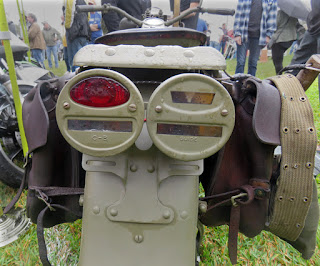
268	20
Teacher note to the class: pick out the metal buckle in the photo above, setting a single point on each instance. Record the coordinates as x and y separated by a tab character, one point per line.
43	197
233	198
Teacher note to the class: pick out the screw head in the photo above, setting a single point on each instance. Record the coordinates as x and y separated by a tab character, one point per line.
66	105
158	109
224	112
138	238
132	107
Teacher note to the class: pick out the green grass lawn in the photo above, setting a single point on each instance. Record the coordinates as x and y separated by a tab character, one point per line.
63	241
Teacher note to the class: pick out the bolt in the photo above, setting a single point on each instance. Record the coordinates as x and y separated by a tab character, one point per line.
158	109
66	105
138	238
81	200
224	112
151	169
132	107
114	212
133	168
202	207
166	214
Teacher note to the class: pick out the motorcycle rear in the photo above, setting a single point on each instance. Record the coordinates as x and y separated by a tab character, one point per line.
144	116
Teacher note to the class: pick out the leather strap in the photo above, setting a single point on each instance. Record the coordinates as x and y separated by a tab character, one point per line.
21	188
40	232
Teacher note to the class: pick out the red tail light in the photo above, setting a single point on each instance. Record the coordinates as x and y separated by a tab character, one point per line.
99	92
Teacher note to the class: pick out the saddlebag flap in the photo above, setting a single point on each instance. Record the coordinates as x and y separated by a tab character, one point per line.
55	177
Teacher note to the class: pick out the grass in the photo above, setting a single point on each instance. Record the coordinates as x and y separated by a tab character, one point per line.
63	241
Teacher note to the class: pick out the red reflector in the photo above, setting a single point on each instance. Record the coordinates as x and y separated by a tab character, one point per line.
99	92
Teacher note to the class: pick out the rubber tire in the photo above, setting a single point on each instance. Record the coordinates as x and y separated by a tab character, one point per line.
10	174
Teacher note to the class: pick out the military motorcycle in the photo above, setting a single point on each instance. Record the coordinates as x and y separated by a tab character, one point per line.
11	157
149	113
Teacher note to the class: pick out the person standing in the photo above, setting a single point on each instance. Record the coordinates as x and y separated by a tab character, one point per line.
223	38
283	38
65	47
191	20
51	35
36	40
310	43
77	28
255	22
94	23
135	8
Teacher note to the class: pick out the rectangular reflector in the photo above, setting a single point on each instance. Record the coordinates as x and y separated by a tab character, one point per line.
189	130
90	125
192	97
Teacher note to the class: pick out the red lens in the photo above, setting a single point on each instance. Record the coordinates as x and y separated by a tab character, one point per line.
99	92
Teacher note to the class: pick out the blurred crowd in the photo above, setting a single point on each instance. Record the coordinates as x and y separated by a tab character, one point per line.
276	25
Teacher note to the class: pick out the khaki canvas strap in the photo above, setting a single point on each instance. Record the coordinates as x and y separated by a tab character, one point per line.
298	143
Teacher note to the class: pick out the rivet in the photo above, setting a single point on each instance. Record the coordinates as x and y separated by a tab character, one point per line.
285	166
166	214
292	199
66	105
302	99
184	215
305	199
81	200
149	52
298	225
96	210
291	98
297	131
285	130
110	51
150	169
114	212
202	207
132	107
158	109
188	53
133	168
280	198
308	165
138	238
310	129
224	112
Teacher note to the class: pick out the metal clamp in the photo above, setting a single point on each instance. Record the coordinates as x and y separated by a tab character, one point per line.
233	198
5	35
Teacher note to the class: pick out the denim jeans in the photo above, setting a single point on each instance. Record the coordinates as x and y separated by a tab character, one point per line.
54	51
73	47
66	58
37	54
253	46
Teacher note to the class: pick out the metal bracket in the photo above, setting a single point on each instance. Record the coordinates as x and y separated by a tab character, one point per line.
5	35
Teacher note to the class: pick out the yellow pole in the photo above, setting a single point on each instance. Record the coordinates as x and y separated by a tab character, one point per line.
13	78
24	27
176	11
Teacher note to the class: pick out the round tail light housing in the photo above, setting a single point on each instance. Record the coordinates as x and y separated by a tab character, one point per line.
100	112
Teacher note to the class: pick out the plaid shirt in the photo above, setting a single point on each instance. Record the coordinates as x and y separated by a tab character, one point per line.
268	20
